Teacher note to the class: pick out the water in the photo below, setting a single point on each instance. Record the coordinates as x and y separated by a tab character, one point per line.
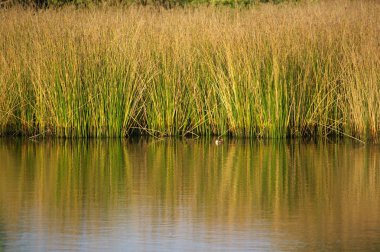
188	195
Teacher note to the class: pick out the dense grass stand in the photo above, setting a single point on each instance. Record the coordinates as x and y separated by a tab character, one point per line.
266	71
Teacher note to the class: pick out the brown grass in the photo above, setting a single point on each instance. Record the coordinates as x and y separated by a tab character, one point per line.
268	71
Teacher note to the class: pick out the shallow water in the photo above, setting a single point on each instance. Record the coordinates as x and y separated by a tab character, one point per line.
188	195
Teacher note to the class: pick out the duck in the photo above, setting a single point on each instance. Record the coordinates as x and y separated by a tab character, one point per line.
218	141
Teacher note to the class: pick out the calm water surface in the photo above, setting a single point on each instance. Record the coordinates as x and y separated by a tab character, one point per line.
188	195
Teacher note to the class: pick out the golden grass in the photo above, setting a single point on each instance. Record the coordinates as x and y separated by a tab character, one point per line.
306	69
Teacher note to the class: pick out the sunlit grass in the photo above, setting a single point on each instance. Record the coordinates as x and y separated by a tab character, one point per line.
270	71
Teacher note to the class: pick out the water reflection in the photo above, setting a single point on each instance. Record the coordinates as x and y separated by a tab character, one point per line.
188	195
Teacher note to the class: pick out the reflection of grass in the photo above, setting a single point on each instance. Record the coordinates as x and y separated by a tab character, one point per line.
272	71
234	184
2	235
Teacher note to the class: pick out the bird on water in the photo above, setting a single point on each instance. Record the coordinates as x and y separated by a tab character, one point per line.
218	141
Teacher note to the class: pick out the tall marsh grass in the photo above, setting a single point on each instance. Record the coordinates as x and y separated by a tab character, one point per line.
310	69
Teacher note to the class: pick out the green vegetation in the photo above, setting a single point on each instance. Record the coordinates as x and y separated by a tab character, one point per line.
267	71
167	4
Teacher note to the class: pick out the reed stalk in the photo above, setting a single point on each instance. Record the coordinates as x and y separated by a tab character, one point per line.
287	70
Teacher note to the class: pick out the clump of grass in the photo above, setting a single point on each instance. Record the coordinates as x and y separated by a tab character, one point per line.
269	71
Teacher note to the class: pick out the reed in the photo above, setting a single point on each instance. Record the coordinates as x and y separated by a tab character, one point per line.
308	69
